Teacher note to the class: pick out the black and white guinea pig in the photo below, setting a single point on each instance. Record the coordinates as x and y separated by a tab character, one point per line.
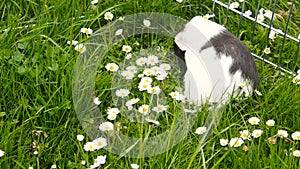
218	65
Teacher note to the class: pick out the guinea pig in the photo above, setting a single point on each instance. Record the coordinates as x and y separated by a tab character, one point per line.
218	66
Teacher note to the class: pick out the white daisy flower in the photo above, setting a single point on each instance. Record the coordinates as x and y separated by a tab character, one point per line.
122	93
89	146
141	61
97	101
112	67
80	48
245	134
161	75
134	166
128	75
268	14
272	35
296	79
100	159
270	123
83	162
234	5
258	92
53	166
282	133
165	66
132	69
154	90
94	2
296	153
87	31
155	70
2	153
146	22
80	137
144	86
132	102
236	142
128	56
254	120
296	135
160	108
260	18
30	167
111	116
119	32
200	130
207	16
179	1
189	111
106	126
108	16
148	72
144	109
73	42
121	18
174	95
35	152
114	111
100	143
256	133
152	121
267	51
146	80
224	142
95	165
152	60
126	48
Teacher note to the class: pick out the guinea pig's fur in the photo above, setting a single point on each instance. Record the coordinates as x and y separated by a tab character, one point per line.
204	38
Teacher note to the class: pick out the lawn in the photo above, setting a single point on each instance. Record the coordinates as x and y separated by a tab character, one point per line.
50	115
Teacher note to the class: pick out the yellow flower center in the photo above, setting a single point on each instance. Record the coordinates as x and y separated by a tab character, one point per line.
112	68
298	137
297	80
91	147
145	109
100	144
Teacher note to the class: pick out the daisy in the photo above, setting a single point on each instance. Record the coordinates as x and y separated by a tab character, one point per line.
132	102
272	35
257	133
152	121
165	66
200	130
224	142
35	152
248	13
269	14
154	90
83	162
260	18
236	142
189	111
146	80
126	48
296	153
80	48
254	120
97	101
148	72
141	61
245	134
144	86
94	2
87	31
122	93
100	159
155	70
234	5
267	51
270	123
161	75
128	75
100	143
80	137
296	135
258	92
121	18
73	42
30	167
245	148
132	69
282	133
174	95
144	109
111	116
134	166
114	111
108	16
272	140
128	56
106	126
159	108
2	153
179	1
89	146
296	79
152	60
53	166
207	16
146	23
112	67
119	32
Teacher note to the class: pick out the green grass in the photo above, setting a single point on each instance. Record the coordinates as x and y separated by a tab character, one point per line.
36	82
